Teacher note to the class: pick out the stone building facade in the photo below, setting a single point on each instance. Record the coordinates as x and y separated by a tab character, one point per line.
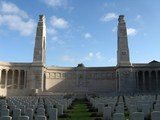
37	77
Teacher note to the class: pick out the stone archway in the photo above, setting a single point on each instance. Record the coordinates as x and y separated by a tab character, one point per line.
15	84
22	79
147	83
158	80
153	80
140	80
9	79
3	77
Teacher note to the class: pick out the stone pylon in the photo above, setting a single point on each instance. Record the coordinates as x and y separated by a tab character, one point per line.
40	43
37	71
124	69
123	50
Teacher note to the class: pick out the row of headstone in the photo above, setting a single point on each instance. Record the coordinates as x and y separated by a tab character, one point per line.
139	107
52	113
49	106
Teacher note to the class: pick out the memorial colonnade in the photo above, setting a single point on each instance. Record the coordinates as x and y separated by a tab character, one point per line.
13	78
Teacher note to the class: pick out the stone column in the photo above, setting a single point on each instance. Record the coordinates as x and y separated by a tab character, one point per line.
137	86
156	80
25	79
6	79
95	75
19	75
12	79
144	86
149	80
117	78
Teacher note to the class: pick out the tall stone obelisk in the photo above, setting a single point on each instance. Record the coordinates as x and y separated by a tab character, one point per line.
124	69
37	71
123	50
40	43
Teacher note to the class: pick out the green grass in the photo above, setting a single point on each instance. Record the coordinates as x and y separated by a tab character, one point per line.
79	111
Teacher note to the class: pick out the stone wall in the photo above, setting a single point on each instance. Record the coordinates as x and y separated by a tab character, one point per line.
61	79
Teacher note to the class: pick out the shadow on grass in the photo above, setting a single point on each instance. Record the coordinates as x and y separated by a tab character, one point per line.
80	110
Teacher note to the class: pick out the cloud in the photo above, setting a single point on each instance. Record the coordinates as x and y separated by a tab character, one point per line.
16	19
88	57
112	61
10	8
68	58
55	3
114	29
109	17
55	39
87	35
93	56
56	25
131	31
51	31
99	56
15	22
138	17
58	22
58	4
109	5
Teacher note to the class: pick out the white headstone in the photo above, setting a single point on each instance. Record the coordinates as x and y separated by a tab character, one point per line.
107	113
12	107
16	113
5	118
132	108
137	116
100	107
157	107
60	109
29	112
41	111
146	110
40	117
23	108
120	109
53	114
118	116
155	115
23	118
4	112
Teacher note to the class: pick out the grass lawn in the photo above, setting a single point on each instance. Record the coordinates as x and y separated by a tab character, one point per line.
79	111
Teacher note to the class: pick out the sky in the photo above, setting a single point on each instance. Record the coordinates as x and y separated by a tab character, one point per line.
79	31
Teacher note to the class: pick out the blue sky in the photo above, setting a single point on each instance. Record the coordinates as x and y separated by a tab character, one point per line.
79	31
